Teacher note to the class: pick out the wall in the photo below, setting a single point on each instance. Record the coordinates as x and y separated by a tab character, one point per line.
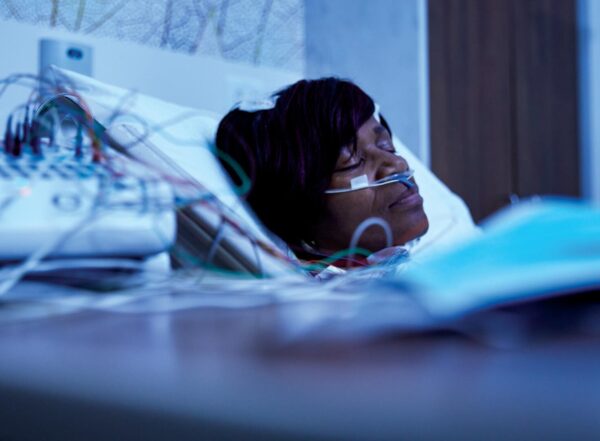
589	81
504	100
259	32
198	81
382	46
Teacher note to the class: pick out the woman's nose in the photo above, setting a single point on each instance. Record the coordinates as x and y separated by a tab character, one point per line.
390	163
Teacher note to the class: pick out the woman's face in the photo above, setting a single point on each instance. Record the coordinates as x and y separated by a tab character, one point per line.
396	204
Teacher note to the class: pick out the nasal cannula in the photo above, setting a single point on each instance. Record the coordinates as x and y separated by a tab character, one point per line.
362	181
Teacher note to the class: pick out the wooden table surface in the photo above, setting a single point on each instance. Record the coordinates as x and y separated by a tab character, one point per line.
213	373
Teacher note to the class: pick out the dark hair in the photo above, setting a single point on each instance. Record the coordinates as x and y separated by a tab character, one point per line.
289	152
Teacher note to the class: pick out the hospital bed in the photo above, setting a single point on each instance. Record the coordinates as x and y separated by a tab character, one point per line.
184	137
217	356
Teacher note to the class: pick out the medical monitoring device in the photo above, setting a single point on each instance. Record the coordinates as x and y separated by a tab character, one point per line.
64	191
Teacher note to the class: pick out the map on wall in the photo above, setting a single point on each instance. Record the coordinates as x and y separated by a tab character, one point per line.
260	32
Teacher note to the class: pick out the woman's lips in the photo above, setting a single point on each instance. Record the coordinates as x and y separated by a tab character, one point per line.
409	198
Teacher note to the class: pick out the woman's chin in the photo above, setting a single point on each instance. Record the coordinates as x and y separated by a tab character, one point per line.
417	229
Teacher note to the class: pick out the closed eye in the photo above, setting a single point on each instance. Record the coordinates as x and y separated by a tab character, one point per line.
354	166
386	145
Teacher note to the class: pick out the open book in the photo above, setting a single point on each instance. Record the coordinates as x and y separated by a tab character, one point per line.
532	250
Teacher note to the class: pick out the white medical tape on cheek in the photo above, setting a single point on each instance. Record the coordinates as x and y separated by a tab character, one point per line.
361	181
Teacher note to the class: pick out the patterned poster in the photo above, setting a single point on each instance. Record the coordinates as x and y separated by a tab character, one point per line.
259	32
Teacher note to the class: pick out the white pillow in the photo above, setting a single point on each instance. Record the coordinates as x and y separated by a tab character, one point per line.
186	137
449	218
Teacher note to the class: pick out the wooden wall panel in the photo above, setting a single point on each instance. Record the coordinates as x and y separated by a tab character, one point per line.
546	108
503	99
470	107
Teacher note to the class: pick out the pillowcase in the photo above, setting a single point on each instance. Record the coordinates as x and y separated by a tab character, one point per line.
449	217
186	135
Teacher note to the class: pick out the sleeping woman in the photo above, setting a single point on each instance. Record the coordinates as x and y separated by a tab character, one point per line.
325	174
